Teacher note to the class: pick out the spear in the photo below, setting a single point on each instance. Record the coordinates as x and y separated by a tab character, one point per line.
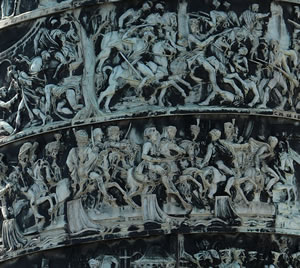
286	74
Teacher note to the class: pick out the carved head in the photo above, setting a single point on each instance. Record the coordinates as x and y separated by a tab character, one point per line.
3	92
173	20
194	25
297	11
240	36
169	132
252	255
45	55
113	133
98	134
215	134
195	130
82	138
52	149
3	167
159	7
255	7
229	130
94	263
273	141
149	36
225	255
239	254
152	134
226	5
23	155
216	3
243	51
274	45
147	6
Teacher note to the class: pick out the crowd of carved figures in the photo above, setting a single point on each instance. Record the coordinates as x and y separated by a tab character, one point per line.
153	54
280	252
101	60
198	250
11	8
179	173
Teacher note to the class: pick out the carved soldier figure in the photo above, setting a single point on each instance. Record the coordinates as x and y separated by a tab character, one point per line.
168	147
262	157
133	15
226	258
192	147
12	237
251	21
93	263
81	161
118	148
281	74
211	159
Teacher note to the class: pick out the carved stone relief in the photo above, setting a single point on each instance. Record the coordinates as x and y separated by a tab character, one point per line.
110	181
110	108
196	251
119	59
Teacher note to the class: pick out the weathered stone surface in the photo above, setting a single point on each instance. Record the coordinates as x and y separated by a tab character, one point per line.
124	120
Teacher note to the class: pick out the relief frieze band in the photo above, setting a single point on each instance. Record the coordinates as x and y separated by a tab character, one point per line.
195	251
137	178
113	59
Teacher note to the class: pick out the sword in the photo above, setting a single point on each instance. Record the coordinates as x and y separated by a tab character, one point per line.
131	66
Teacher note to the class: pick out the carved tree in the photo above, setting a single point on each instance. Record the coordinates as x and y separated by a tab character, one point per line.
89	30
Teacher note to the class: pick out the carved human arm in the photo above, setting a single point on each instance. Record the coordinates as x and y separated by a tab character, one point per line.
7	104
297	25
294	155
239	67
198	43
146	150
195	78
71	160
23	58
5	189
128	13
176	148
260	16
261	154
208	155
293	55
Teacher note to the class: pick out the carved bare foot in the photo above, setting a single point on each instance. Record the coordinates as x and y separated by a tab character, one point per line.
204	103
39	216
262	106
228	192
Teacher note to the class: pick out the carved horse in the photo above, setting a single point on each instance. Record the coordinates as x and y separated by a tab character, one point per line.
38	192
139	184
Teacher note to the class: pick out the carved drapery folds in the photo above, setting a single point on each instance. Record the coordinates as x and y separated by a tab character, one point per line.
122	119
